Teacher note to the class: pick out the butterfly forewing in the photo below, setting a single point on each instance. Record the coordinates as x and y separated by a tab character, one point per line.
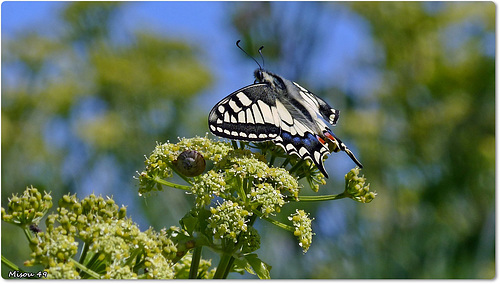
249	114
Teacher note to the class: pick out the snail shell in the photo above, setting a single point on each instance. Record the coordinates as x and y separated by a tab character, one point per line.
190	163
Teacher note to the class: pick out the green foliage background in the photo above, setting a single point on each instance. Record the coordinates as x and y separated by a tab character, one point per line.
425	133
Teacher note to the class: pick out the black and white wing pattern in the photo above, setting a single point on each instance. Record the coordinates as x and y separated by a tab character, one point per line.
249	114
282	111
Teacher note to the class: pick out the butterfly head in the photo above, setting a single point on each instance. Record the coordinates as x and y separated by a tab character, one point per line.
259	75
266	77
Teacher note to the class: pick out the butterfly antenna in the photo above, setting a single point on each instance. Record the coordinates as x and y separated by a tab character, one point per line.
238	45
261	56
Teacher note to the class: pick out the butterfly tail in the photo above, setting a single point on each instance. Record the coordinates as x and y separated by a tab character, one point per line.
339	145
321	168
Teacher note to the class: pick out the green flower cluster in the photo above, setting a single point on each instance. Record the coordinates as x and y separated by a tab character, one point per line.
303	230
207	187
231	185
75	215
112	245
267	197
356	187
253	167
62	270
159	165
228	220
28	208
242	179
244	184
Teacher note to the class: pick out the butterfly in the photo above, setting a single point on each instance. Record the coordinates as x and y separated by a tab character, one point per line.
276	109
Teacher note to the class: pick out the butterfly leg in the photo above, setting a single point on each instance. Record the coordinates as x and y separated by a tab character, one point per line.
339	145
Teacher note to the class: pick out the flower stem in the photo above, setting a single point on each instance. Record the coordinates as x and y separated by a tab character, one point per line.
235	145
84	252
283	165
195	263
227	259
10	264
85	269
230	264
296	166
171	184
27	232
224	262
274	222
321	197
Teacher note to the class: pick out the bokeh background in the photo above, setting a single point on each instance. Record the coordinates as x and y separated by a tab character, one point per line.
89	87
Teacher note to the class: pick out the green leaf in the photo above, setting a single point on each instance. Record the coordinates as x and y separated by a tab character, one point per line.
203	215
189	222
261	268
241	265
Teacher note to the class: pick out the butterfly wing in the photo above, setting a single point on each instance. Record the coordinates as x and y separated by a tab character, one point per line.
306	146
326	111
310	137
301	128
249	114
254	113
282	111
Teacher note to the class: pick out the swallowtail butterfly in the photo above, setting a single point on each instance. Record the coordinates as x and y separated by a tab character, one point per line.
276	109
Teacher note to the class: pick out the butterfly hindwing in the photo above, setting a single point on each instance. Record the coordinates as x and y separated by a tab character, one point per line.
306	147
328	113
249	114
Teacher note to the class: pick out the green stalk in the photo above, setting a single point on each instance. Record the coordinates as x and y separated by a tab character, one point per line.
195	263
229	266
27	232
285	163
84	252
133	256
231	261
93	262
271	160
85	269
227	259
241	189
224	262
10	264
296	166
235	145
321	197
171	184
274	222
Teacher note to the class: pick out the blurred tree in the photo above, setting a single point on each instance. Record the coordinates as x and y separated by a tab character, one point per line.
285	31
79	109
426	137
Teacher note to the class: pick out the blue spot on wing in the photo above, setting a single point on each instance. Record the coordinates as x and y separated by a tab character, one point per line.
310	141
286	136
296	140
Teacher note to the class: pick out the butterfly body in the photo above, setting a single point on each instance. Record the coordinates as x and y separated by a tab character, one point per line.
279	110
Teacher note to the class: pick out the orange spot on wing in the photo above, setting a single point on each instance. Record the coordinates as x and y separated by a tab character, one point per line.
329	136
321	140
